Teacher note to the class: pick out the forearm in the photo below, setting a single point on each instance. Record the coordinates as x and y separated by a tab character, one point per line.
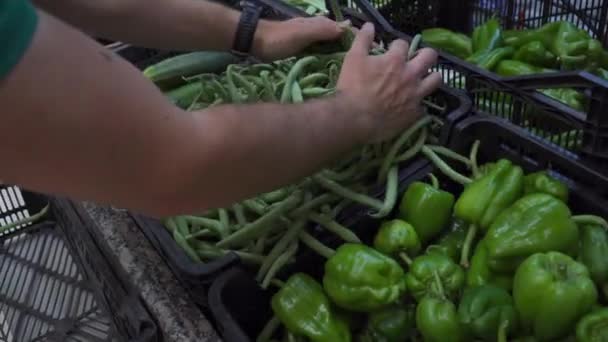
164	24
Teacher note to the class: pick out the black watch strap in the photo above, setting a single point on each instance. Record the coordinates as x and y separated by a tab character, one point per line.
243	40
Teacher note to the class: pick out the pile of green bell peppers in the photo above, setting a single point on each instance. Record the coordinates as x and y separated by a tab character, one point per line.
554	46
536	272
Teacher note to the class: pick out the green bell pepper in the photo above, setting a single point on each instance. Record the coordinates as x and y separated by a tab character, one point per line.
542	182
361	279
436	316
488	60
397	238
451	243
479	273
488	36
427	208
304	310
421	275
551	292
601	72
593	327
509	68
486	310
593	253
571	45
535	223
571	97
391	324
535	53
486	197
454	43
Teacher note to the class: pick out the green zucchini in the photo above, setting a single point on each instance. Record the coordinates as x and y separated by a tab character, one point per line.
184	95
170	72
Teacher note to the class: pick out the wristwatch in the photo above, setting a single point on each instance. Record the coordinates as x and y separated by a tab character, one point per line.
248	22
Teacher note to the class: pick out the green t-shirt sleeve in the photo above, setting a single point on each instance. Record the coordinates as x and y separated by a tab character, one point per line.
18	20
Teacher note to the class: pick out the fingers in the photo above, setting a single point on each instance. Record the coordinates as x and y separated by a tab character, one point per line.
399	50
424	60
429	84
363	40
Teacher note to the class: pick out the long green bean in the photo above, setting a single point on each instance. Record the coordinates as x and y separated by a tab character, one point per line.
334	227
445	168
279	263
26	220
315	245
279	247
294	73
390	197
347	193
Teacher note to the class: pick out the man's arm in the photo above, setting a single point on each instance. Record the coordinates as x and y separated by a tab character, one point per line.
187	25
88	125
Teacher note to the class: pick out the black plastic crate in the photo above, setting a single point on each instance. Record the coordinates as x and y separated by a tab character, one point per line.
197	277
240	307
58	282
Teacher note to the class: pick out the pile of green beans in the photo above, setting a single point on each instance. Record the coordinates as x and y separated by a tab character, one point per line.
267	231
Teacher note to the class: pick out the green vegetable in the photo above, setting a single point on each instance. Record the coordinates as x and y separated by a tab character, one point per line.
542	182
436	316
485	198
593	327
487	37
427	209
479	272
359	278
573	98
454	43
304	310
593	253
508	68
484	310
420	277
451	243
397	238
601	72
170	72
571	45
185	95
488	60
535	223
535	53
391	324
545	282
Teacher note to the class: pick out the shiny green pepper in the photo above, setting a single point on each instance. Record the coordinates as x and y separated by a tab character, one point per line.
454	43
421	275
509	68
451	243
304	310
391	324
427	208
593	253
397	238
535	223
542	182
361	279
479	272
436	316
485	310
488	60
571	97
593	327
535	53
552	292
488	36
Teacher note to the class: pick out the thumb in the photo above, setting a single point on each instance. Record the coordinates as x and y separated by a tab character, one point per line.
363	40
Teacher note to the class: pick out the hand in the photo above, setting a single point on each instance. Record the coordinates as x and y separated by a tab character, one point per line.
386	90
280	39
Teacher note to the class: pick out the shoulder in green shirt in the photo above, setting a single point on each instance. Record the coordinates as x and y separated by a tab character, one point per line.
18	21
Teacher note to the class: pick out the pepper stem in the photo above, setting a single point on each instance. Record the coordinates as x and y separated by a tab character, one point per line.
269	329
502	331
405	258
473	158
434	181
466	247
590	219
438	284
445	168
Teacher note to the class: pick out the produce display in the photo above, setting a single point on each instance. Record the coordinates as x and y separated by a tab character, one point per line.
311	7
555	46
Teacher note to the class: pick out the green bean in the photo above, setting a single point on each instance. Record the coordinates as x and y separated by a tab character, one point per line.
473	158
315	245
235	95
316	91
390	197
334	227
281	261
296	93
434	181
414	46
280	74
445	168
239	213
450	154
250	89
279	247
247	258
269	89
347	193
211	224
312	79
225	221
183	243
590	219
219	89
182	225
293	74
312	204
276	195
255	206
269	329
261	225
25	220
260	243
203	233
415	149
170	224
399	142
